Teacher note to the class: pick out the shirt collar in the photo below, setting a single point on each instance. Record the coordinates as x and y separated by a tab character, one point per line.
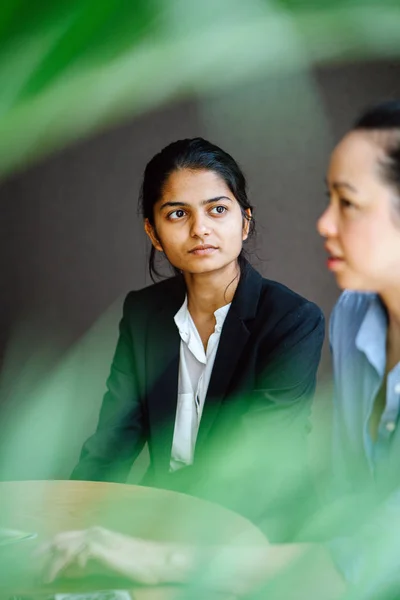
220	315
371	336
182	319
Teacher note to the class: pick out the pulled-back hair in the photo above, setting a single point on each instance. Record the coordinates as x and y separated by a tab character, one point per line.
385	117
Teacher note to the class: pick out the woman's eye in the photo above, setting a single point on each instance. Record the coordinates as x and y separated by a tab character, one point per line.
218	210
176	214
344	203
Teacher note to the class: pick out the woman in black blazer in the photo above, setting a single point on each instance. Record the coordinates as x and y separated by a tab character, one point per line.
236	418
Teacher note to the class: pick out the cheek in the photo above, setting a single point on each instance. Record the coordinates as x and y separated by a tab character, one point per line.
234	237
171	247
390	250
352	240
369	249
357	237
234	227
169	236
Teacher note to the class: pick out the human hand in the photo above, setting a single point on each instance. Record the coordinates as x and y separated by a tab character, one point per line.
99	550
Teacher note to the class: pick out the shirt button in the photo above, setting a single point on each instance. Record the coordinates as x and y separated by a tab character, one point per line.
397	388
390	426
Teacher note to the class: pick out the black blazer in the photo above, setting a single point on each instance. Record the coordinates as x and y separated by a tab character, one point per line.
257	405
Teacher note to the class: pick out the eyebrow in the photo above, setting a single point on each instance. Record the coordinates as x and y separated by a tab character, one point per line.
186	204
341	184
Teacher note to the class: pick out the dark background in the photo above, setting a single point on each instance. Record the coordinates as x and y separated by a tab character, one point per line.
72	245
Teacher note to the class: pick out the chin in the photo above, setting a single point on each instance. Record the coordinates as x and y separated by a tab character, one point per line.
352	282
207	265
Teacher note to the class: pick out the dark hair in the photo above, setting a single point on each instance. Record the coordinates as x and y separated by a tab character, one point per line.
195	154
386	117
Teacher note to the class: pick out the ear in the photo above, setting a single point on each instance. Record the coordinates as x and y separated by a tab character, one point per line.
150	231
246	223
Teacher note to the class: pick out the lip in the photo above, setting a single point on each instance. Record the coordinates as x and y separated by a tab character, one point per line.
203	250
334	264
334	261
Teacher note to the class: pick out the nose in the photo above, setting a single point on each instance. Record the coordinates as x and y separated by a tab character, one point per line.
199	225
327	224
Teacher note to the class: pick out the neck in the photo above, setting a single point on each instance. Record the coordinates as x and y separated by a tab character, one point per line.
391	300
209	291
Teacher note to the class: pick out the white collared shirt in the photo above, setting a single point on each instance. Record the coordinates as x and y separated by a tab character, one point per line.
195	368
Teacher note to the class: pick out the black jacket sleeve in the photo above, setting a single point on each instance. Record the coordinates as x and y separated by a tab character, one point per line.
121	431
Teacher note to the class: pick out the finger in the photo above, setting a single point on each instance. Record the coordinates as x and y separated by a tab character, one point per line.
62	558
56	565
112	560
83	556
60	540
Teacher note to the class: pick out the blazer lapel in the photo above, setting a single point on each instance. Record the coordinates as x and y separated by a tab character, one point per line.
234	336
162	370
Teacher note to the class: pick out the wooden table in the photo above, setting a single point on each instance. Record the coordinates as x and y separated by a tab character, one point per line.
49	507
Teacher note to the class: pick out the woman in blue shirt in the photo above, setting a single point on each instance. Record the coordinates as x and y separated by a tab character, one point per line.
361	228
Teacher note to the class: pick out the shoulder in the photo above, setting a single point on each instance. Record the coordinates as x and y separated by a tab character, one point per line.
287	304
153	297
348	314
287	335
284	318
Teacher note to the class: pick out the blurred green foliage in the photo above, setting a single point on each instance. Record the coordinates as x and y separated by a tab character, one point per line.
70	67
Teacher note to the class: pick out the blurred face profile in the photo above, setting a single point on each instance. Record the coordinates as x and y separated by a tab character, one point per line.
361	225
198	222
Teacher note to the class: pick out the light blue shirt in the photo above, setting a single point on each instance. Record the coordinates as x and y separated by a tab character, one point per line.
362	466
358	330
